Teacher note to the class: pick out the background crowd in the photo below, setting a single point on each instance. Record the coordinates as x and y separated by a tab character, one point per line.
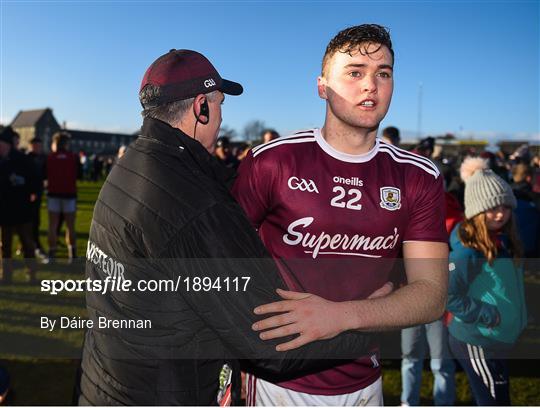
478	185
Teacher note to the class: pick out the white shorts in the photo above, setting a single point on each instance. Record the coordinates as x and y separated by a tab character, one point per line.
61	205
261	393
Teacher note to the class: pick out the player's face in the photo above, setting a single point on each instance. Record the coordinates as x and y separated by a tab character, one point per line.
358	88
497	217
211	129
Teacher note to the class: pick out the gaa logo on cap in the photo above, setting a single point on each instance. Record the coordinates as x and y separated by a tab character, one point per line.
209	82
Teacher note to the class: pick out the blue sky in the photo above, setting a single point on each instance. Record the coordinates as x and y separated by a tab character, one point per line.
478	62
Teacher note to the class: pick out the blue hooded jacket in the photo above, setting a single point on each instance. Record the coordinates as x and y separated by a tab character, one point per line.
479	292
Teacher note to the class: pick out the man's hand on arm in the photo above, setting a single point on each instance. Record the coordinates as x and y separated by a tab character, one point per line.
311	316
422	300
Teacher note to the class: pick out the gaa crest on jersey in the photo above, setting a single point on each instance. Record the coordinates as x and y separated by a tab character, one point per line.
301	184
390	198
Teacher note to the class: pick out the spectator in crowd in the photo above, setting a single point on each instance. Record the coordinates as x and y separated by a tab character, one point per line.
39	160
268	135
96	167
242	150
415	340
425	147
224	154
528	209
62	168
390	135
496	164
108	164
536	174
522	176
18	187
172	216
121	151
84	166
16	141
486	295
521	155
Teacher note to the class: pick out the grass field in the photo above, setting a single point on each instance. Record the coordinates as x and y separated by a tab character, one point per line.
49	381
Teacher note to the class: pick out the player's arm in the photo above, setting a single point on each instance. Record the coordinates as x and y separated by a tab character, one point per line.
313	318
422	300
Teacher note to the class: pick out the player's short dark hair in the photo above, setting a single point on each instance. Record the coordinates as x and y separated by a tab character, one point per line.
351	39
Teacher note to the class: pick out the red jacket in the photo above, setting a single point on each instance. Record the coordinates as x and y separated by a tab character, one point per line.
454	212
454	215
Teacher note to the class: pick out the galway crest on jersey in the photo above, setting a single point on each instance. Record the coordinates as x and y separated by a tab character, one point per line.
390	198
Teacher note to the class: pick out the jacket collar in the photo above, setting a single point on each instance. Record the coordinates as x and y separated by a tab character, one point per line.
173	137
180	142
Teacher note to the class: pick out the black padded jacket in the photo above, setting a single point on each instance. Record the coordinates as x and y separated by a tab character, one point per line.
165	212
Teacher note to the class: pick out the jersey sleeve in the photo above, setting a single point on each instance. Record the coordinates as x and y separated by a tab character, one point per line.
427	210
253	187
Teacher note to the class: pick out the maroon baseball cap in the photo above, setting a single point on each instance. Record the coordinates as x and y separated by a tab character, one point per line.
183	74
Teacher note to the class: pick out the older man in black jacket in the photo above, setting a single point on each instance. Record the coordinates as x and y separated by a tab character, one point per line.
165	214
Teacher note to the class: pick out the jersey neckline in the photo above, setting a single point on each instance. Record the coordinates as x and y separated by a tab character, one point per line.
349	158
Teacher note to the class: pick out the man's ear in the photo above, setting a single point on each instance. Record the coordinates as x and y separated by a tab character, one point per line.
321	87
197	103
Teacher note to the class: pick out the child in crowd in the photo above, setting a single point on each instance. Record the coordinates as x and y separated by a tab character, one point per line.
486	295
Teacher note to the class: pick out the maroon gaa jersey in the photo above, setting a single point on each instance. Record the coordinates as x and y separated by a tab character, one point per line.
335	223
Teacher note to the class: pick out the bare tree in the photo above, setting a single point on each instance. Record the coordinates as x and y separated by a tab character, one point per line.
227	132
253	130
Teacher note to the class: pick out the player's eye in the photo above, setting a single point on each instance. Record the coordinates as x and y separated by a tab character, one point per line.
385	74
355	74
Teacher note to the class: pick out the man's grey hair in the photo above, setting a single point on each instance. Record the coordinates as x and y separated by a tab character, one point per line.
172	112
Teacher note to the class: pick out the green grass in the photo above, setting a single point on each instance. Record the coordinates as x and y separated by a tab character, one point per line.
38	379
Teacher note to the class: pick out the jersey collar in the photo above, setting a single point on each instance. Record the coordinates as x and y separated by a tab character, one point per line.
349	158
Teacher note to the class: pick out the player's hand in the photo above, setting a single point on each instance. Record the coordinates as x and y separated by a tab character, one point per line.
310	316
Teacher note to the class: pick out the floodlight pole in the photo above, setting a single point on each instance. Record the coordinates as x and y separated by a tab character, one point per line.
419	124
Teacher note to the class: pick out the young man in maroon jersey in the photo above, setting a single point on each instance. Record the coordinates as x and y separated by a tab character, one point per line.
62	168
335	207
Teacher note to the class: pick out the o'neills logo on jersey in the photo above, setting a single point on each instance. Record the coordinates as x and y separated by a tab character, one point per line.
351	181
337	244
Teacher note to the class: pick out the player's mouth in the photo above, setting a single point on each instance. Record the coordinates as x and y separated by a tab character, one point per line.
368	104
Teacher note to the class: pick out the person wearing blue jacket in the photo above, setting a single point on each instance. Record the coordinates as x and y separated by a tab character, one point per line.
486	295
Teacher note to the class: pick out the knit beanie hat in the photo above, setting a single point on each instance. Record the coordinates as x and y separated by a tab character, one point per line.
483	188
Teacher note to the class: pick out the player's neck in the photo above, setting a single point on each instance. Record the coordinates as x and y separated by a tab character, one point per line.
348	139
